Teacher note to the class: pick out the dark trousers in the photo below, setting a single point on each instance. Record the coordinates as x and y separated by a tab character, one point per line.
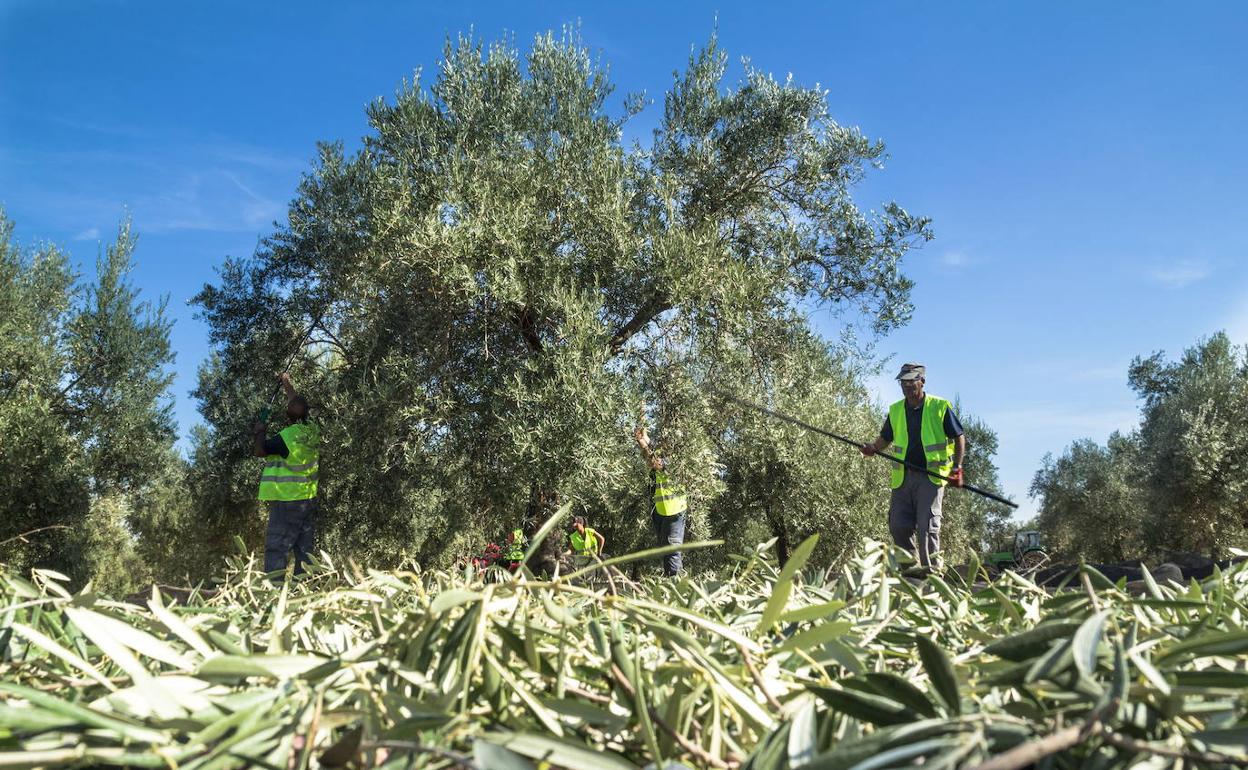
291	525
915	509
669	530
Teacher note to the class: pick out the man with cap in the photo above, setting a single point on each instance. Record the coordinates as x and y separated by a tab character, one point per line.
923	429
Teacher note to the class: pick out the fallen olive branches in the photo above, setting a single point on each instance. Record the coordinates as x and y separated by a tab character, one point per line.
758	668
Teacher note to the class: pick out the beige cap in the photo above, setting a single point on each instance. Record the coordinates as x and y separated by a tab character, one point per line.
912	372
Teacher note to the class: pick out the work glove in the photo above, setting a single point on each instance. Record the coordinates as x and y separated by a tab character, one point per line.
867	450
955	477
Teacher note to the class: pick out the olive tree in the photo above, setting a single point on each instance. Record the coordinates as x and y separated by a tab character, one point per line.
1092	500
1194	440
497	281
85	410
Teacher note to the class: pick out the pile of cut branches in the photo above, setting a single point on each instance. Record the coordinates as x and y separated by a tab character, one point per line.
761	667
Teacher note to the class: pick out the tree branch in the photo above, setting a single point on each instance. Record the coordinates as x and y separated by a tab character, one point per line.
459	760
334	338
1144	747
758	678
1031	752
705	757
652	307
528	328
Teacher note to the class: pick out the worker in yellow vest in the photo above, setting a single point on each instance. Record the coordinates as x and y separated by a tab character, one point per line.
517	544
288	482
585	541
923	430
669	503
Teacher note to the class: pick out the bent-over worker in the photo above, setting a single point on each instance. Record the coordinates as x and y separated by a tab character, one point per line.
517	543
585	541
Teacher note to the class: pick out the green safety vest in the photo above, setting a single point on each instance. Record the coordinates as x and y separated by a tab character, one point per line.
293	477
669	497
937	447
515	552
586	544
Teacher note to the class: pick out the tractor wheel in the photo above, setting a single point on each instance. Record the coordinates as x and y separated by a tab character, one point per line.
1031	561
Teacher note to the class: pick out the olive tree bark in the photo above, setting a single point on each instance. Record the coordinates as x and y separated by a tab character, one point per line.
781	533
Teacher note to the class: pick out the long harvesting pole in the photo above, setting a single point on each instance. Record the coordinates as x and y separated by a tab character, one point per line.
858	444
267	411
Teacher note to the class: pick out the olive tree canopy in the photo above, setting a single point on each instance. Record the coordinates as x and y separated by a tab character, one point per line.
497	280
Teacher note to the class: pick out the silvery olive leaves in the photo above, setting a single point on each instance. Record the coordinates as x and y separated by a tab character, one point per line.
757	666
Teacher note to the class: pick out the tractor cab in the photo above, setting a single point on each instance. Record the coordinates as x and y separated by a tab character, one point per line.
1027	541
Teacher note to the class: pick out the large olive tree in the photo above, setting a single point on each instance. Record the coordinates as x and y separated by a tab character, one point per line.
497	280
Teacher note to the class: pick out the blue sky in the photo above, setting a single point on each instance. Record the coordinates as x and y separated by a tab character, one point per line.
1084	164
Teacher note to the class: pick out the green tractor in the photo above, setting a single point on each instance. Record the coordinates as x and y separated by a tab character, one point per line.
1029	553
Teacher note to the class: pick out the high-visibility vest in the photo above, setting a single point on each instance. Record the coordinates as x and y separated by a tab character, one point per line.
294	476
937	447
515	551
669	497
585	544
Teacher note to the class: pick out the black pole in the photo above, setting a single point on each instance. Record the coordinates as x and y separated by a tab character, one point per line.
268	409
851	442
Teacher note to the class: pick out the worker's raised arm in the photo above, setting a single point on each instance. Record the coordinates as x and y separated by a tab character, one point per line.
643	443
289	389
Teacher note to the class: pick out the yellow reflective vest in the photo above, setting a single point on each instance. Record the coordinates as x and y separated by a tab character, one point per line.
669	497
585	544
937	447
515	551
294	476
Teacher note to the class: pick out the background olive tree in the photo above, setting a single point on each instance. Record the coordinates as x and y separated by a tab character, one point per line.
971	523
85	412
1178	483
1194	440
1093	500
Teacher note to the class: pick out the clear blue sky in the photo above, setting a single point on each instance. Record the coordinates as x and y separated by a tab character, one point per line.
1084	163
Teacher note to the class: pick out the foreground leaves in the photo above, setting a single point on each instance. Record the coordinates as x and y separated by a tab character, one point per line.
853	668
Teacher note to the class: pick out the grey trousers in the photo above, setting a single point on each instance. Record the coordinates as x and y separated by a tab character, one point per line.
669	530
915	510
291	525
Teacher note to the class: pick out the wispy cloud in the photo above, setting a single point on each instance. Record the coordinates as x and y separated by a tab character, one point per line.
217	200
954	259
1176	275
1042	423
257	210
129	131
257	157
1099	373
90	234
